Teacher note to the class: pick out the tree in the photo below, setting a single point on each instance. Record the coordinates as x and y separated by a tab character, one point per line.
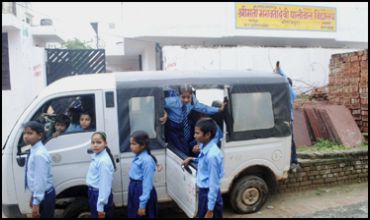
76	44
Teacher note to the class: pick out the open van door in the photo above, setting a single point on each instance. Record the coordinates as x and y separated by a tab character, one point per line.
181	182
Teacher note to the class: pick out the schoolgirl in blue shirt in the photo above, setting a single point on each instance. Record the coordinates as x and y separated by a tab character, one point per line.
179	131
142	196
38	176
100	176
210	170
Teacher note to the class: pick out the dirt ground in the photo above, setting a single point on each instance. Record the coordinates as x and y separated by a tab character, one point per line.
320	202
307	203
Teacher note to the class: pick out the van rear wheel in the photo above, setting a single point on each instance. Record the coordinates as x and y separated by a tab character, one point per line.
248	194
79	208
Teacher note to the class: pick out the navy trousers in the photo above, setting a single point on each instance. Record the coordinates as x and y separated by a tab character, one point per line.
93	195
47	206
135	190
293	158
203	201
175	136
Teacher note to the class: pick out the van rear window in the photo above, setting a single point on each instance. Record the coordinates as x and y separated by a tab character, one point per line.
252	111
142	114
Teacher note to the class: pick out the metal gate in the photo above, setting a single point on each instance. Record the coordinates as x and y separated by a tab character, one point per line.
66	62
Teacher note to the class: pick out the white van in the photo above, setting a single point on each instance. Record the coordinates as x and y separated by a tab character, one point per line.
256	142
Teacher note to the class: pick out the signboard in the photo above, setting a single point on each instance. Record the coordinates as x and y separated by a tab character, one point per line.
285	17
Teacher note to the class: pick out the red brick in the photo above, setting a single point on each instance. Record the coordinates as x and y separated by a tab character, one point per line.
354	58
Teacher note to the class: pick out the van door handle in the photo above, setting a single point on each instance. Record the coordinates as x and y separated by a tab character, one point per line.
187	169
117	158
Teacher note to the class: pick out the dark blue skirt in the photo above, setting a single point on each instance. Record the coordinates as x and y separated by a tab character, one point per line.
203	201
135	190
93	195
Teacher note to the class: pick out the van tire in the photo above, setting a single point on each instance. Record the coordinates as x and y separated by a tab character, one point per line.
255	192
79	208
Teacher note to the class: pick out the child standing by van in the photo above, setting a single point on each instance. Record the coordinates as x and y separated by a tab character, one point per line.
38	176
210	170
142	196
294	165
178	128
100	176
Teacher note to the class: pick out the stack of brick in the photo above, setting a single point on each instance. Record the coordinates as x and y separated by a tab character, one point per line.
348	81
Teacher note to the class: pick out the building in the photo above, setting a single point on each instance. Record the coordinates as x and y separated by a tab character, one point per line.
23	59
229	35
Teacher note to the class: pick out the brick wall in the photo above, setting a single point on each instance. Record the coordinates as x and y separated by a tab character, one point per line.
327	169
348	81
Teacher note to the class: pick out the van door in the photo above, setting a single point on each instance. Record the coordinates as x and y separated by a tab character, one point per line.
68	151
181	182
140	109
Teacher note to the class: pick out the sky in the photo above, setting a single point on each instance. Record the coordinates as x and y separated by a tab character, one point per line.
72	19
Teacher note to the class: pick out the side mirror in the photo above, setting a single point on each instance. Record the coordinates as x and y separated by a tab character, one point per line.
21	160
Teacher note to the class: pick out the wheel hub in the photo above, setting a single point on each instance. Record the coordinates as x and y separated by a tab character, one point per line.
250	196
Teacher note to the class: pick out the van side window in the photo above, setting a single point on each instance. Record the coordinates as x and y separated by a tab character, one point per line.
61	116
252	111
142	114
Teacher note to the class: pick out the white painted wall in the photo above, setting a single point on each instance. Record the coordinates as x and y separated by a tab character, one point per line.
27	77
306	66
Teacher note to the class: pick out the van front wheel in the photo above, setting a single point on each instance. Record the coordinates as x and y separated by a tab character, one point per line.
248	194
79	208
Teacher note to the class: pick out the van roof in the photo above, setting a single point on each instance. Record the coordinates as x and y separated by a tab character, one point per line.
160	78
196	77
200	74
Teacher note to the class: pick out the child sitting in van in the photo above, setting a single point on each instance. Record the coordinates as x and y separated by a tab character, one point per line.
61	124
178	130
86	121
74	115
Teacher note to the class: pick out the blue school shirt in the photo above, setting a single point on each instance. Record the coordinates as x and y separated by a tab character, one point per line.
218	136
210	170
74	128
100	176
39	176
173	105
143	168
292	94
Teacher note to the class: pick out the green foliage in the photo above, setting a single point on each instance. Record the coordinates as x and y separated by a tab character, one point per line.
76	44
327	146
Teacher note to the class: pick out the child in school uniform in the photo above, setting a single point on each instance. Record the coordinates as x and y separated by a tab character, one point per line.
210	170
38	175
74	116
61	124
86	123
179	131
142	196
100	176
294	165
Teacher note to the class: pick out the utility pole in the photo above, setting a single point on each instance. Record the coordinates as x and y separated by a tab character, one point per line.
94	25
